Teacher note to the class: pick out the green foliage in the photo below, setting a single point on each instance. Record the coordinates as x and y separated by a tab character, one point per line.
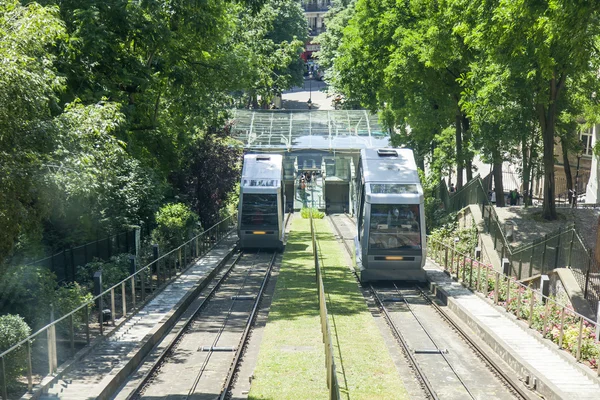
177	223
316	214
68	298
28	291
113	272
13	329
28	86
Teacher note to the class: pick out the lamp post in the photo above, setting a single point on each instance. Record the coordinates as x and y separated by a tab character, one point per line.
309	90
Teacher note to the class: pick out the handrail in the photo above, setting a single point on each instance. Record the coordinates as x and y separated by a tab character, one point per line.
332	381
191	246
506	285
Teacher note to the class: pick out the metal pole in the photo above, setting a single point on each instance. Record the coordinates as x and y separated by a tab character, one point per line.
29	368
3	376
123	299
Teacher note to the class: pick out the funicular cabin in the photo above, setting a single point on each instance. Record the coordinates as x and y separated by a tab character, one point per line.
261	207
390	241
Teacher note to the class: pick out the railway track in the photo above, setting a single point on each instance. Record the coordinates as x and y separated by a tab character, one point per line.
201	359
446	360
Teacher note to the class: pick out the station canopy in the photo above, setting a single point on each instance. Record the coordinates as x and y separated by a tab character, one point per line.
289	130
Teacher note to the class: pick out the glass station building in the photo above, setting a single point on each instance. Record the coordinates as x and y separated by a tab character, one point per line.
324	145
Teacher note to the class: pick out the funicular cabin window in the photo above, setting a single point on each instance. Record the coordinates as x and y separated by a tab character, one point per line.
395	227
259	210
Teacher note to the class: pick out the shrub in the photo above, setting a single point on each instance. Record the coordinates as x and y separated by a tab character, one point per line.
68	298
28	291
316	214
13	329
176	224
113	271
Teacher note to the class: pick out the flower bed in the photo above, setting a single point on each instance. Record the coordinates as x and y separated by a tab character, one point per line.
553	319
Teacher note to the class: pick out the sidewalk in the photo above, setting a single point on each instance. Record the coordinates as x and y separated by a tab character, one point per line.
100	373
552	373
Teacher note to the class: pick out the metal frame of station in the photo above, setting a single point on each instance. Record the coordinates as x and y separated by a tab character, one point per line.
327	143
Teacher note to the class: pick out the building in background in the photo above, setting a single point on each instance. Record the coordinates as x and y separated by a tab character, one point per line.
314	11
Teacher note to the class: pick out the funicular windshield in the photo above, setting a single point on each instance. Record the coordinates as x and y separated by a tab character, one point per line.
259	210
395	227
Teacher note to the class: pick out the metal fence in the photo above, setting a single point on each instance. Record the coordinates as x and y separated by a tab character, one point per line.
332	381
64	264
539	310
58	341
562	248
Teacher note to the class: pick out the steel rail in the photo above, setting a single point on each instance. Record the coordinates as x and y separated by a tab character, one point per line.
431	338
402	340
202	369
244	338
514	384
136	392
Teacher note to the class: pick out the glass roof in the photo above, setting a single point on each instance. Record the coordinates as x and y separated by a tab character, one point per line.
299	130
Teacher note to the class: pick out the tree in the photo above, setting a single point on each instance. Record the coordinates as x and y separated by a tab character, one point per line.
28	84
549	46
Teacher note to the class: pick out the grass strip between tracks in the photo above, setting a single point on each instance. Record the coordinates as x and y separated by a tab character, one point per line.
365	368
291	361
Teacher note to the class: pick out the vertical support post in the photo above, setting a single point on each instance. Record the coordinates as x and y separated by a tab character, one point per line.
544	253
179	258
519	303
445	257
3	376
471	275
143	279
561	334
531	304
185	254
138	240
497	288
506	267
579	338
598	325
156	264
587	278
557	248
531	262
520	266
196	240
132	271
133	291
464	270
112	306
571	251
51	333
29	369
123	300
99	303
72	335
545	287
87	323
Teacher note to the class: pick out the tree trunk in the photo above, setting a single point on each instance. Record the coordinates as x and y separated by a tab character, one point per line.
459	152
567	168
466	124
547	118
526	151
498	185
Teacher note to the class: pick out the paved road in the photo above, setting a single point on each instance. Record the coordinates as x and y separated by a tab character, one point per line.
297	98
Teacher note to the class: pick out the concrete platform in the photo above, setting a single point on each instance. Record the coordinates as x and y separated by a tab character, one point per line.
554	373
99	373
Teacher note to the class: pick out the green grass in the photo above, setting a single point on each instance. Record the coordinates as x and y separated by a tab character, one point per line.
364	366
291	361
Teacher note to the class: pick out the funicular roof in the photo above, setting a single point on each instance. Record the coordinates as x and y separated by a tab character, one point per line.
300	130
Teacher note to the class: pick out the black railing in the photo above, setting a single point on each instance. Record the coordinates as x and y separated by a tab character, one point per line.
64	263
562	248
